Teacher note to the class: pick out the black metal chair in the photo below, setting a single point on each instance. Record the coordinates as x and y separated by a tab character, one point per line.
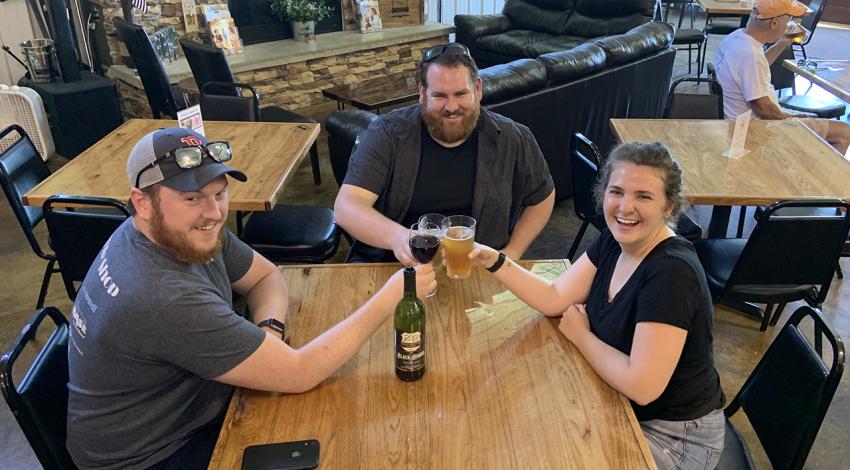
786	396
40	401
695	105
161	95
749	270
21	169
782	78
584	168
77	236
727	24
344	128
693	39
304	234
209	64
810	22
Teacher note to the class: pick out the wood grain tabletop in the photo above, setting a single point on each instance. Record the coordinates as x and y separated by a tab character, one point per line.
503	388
269	153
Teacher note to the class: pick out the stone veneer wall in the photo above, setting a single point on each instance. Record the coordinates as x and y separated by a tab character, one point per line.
162	13
299	84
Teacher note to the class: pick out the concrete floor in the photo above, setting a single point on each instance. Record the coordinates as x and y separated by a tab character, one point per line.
738	343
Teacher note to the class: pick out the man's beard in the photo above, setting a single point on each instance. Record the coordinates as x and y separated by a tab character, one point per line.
437	129
178	245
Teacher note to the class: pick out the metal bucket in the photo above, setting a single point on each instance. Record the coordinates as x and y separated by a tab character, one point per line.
40	56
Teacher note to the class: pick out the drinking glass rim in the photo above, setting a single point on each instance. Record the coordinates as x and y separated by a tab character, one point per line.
447	221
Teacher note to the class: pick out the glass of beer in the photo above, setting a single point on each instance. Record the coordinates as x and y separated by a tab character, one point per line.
436	219
424	242
795	32
459	233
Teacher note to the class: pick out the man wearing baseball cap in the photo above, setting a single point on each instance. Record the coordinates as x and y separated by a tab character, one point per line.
155	345
743	69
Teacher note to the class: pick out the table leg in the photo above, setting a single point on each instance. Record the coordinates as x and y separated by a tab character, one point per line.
719	223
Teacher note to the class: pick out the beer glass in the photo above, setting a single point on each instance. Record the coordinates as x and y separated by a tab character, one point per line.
424	242
436	219
795	32
459	234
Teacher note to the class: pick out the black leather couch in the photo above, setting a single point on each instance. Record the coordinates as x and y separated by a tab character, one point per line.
531	28
558	94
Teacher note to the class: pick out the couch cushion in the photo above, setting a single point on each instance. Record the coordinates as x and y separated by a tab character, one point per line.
640	41
548	16
593	18
566	65
513	43
553	44
516	78
615	8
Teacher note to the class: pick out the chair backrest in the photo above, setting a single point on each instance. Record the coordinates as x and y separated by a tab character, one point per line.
810	22
218	107
789	391
584	161
780	77
208	64
694	105
40	401
157	86
77	235
344	128
713	84
810	245
21	169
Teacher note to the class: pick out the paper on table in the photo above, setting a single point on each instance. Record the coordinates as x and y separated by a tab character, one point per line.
739	136
548	271
190	118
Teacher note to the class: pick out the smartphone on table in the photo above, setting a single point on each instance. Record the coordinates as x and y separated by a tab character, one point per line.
296	455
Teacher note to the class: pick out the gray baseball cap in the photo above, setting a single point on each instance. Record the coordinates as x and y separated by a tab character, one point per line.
156	144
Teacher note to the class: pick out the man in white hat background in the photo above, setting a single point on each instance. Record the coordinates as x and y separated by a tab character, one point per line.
155	345
743	69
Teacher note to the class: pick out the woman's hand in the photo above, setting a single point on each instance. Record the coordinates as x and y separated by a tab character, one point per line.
483	255
574	324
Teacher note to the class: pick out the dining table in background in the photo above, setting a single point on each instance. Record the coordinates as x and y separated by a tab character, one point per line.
786	160
269	153
831	75
503	387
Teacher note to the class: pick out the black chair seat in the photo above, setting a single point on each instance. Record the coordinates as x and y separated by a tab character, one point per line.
736	454
823	109
311	234
721	28
688	36
688	229
275	114
719	256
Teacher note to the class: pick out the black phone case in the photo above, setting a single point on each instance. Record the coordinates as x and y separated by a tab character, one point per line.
296	455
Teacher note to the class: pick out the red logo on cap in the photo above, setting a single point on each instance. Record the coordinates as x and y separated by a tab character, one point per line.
191	140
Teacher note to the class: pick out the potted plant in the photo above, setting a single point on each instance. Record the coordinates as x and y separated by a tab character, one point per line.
303	15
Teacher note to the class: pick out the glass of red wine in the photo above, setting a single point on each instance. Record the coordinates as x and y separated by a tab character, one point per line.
424	242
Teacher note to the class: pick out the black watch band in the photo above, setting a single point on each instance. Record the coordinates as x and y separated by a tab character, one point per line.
274	324
498	264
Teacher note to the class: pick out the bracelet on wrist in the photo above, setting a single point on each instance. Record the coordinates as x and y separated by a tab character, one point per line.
498	264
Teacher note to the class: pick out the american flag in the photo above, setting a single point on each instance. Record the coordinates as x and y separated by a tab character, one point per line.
142	5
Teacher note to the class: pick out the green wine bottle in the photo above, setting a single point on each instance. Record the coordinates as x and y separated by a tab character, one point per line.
409	332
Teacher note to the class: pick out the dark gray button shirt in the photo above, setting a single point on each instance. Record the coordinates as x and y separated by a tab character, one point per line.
510	173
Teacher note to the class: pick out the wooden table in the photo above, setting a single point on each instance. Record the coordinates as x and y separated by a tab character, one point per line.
726	8
786	161
832	75
269	153
376	93
504	388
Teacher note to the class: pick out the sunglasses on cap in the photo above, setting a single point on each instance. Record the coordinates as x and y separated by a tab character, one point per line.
192	156
451	49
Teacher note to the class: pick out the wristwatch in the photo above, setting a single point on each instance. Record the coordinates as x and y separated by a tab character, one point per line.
498	264
274	324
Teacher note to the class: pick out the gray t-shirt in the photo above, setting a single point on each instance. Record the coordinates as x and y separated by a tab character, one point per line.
148	333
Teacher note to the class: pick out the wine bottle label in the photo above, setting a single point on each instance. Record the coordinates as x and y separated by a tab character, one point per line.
409	351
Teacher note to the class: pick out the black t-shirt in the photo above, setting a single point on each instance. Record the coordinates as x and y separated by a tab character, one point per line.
445	183
669	287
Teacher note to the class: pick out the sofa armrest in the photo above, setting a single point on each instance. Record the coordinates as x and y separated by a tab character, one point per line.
640	41
343	128
516	78
470	27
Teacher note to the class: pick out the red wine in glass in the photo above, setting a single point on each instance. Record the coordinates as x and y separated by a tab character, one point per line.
424	247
